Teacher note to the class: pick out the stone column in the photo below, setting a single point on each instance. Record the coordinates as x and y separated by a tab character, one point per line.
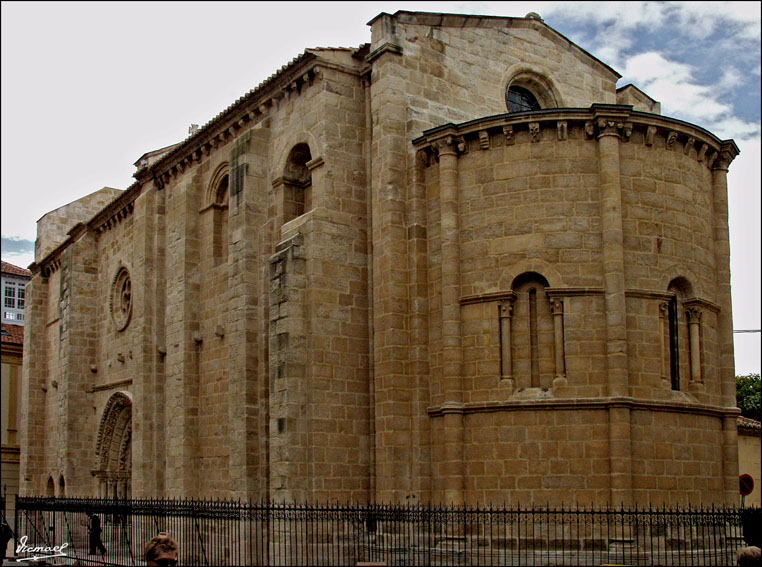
290	471
149	295
727	153
663	347
182	336
557	308
726	370
245	331
609	124
78	307
390	151
418	265
694	329
506	359
452	352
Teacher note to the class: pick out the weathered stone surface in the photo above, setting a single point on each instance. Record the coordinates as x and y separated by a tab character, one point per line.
365	281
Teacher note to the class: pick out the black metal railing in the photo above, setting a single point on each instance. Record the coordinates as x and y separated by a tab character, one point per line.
246	533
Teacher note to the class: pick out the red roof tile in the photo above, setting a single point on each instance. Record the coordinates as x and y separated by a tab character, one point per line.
748	423
13	334
15	270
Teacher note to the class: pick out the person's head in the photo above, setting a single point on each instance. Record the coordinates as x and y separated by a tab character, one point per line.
749	556
161	552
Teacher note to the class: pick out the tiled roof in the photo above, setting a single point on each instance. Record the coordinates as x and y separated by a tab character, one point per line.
748	424
13	334
15	270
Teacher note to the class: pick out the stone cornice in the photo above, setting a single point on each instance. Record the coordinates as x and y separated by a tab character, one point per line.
248	109
616	119
110	385
553	292
110	215
251	108
556	404
387	47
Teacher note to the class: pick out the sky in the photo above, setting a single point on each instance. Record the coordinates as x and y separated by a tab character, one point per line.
87	88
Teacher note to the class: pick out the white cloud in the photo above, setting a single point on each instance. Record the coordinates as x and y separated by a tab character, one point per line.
674	85
702	18
731	79
696	19
620	16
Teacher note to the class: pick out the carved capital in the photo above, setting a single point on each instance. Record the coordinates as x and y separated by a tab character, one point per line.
556	306
726	155
451	145
693	313
663	309
607	126
506	306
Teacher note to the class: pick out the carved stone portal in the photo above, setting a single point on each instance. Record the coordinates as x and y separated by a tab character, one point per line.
114	448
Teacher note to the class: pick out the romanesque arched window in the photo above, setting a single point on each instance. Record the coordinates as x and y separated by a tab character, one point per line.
520	99
61	487
297	183
217	200
678	354
532	333
529	90
50	492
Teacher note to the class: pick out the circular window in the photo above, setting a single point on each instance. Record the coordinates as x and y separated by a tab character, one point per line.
121	299
520	99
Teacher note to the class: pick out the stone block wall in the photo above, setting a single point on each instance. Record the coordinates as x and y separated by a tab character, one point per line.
456	69
471	306
537	454
677	457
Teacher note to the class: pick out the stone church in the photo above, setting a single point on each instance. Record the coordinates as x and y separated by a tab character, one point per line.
456	264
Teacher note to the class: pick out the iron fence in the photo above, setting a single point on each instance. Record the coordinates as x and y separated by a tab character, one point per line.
247	533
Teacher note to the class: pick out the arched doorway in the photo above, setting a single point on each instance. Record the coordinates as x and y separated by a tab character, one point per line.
114	448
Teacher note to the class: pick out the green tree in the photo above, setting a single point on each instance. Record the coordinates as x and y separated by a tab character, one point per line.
748	394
